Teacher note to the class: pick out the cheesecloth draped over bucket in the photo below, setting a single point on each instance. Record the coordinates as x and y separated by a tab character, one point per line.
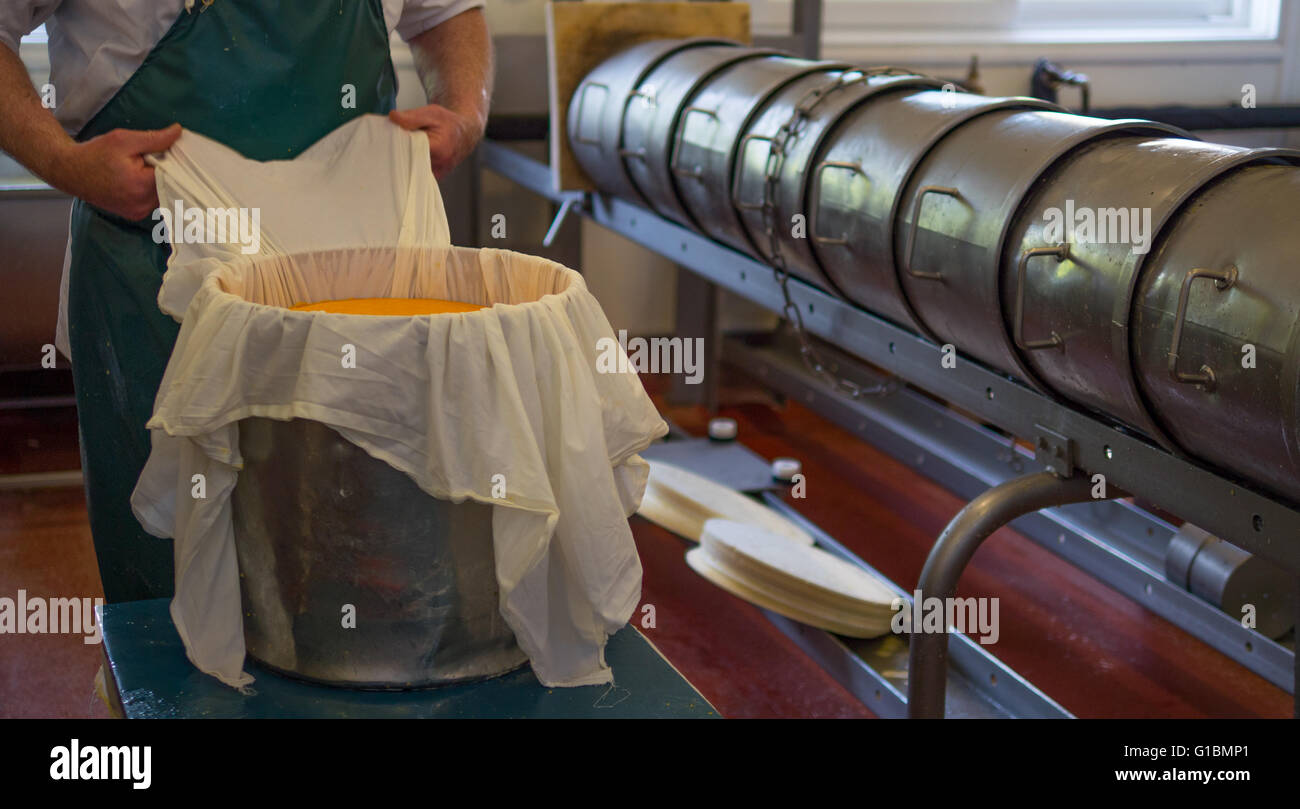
503	405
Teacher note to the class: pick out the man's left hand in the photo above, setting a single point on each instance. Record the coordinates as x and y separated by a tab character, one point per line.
452	135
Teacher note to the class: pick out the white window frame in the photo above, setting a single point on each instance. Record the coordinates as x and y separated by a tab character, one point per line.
1013	31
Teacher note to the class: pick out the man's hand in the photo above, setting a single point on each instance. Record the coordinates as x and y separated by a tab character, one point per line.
452	135
110	172
454	62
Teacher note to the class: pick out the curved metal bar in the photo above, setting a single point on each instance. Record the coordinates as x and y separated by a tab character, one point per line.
927	657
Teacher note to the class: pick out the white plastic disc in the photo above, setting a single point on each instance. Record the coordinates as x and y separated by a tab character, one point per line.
702	562
808	575
683	501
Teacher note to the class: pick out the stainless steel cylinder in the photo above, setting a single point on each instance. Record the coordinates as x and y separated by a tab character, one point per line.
799	169
1069	309
650	122
857	180
703	157
801	113
956	212
595	115
1216	325
323	532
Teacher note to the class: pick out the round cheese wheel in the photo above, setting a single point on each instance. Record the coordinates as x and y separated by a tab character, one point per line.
393	307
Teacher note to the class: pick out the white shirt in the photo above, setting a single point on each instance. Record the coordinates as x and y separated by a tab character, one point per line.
95	45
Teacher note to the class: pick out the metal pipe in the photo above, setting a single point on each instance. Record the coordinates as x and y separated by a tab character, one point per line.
927	659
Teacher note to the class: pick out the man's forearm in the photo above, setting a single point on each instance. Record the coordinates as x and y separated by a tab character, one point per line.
28	131
454	61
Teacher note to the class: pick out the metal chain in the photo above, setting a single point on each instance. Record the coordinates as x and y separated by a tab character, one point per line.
785	135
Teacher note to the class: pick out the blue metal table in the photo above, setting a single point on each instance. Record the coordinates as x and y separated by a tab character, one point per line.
150	677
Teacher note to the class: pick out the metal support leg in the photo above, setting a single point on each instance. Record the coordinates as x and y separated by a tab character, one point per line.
927	661
806	25
697	316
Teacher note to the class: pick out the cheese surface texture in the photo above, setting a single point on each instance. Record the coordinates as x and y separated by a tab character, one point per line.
397	307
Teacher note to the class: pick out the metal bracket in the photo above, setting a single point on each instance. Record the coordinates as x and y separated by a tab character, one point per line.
568	205
1053	450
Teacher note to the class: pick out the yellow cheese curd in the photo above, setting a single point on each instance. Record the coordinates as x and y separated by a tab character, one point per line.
398	307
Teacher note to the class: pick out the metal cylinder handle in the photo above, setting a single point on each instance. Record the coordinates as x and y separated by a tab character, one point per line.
1223	279
916	223
742	147
1061	252
649	97
851	77
698	171
582	98
856	168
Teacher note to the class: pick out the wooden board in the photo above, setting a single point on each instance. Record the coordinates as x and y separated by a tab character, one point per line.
580	36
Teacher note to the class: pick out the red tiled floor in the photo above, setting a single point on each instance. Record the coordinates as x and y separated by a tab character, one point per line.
45	549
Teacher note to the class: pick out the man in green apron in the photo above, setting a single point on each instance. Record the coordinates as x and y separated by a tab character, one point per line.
267	78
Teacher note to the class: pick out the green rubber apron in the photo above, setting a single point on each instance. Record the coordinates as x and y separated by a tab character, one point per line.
267	78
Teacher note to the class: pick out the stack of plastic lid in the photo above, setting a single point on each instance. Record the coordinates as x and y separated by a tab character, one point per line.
801	582
682	502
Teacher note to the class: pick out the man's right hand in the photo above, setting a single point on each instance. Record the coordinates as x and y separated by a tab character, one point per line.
110	172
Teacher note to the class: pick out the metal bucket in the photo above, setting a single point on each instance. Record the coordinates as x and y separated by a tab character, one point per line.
806	108
1216	326
595	119
956	213
857	183
651	120
1068	300
704	151
323	530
